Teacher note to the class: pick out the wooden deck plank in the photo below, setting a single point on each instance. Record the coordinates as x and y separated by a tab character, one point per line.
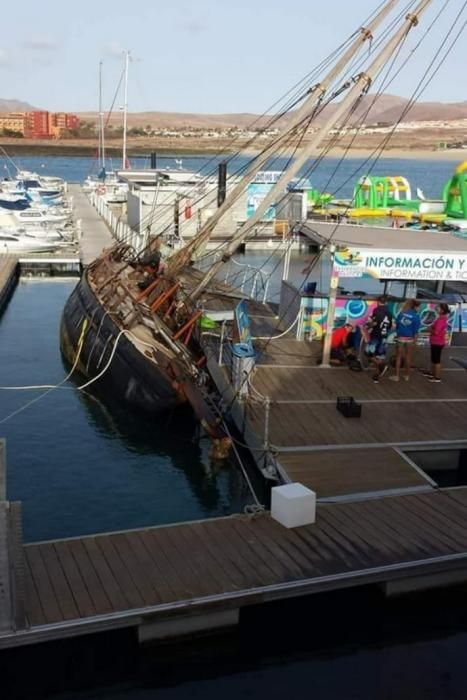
412	529
181	575
442	524
207	565
136	570
389	528
203	567
34	610
103	571
154	573
383	537
287	540
168	575
457	508
231	572
342	472
44	588
77	581
118	565
394	423
62	590
347	549
233	539
338	521
93	585
432	537
274	539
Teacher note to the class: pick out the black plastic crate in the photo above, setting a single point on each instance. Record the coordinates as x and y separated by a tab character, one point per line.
348	407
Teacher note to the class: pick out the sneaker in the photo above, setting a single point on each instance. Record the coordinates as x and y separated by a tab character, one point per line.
426	373
383	371
394	378
406	378
375	379
434	380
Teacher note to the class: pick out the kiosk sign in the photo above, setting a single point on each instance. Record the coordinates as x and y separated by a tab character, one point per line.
400	264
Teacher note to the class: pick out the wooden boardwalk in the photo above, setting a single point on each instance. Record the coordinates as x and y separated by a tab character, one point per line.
95	234
291	423
154	575
8	277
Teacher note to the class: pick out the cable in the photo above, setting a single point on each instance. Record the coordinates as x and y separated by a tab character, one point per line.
51	388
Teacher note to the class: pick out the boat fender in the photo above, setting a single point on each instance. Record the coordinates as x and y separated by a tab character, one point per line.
188	211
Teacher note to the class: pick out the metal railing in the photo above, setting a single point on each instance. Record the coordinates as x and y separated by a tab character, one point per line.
254	281
122	232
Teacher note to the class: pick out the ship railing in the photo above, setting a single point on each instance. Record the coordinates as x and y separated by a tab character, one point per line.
120	229
254	281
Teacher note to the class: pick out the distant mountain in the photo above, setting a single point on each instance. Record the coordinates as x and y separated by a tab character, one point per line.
15	106
390	109
384	108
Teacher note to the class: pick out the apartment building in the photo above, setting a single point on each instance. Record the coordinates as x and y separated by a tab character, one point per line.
39	124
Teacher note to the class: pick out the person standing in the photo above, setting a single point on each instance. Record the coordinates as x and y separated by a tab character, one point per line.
380	323
407	327
438	335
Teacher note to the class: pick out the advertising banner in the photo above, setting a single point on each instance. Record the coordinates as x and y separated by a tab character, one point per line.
400	264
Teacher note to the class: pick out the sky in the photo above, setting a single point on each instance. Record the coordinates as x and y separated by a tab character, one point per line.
203	56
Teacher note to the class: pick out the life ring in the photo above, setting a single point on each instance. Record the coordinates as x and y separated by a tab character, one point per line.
100	189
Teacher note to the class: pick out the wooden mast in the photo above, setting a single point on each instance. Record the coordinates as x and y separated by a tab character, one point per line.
362	83
316	93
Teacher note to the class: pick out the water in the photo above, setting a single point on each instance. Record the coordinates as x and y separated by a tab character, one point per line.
79	468
331	175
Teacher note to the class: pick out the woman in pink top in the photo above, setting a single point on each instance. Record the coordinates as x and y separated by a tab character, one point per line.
438	333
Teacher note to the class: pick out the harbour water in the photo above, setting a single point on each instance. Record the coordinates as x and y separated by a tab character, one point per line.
80	468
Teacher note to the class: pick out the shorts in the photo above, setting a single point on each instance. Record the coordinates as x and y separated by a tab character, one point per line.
401	340
377	348
436	354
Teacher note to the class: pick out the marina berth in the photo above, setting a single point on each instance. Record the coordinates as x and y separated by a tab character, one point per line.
354	481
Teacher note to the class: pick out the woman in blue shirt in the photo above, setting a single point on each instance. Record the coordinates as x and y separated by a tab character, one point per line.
407	327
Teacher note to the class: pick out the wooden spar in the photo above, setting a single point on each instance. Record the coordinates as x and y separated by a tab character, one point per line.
363	82
315	95
187	325
164	296
148	290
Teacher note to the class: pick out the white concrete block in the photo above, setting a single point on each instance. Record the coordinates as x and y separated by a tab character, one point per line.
293	505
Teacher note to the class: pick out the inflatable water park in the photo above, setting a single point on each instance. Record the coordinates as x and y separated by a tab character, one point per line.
391	197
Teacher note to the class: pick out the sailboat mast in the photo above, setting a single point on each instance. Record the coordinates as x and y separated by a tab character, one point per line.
125	110
315	95
101	122
362	83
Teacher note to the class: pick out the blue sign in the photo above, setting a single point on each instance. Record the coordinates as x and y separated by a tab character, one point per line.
256	192
243	323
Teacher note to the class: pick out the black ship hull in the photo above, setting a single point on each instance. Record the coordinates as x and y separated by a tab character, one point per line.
131	377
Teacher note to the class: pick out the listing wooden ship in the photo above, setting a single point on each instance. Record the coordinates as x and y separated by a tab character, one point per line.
143	345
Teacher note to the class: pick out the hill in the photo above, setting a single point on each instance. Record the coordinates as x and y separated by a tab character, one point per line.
384	108
15	106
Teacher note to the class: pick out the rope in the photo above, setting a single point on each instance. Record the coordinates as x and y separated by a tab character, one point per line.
257	507
281	335
51	387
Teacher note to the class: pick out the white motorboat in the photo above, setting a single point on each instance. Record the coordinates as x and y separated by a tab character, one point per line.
25	243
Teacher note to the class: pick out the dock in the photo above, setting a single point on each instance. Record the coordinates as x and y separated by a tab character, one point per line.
176	580
8	278
295	432
94	234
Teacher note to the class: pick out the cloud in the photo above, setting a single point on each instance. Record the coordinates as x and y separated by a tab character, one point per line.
40	43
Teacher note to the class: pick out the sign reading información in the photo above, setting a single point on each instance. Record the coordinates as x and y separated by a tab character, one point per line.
400	264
